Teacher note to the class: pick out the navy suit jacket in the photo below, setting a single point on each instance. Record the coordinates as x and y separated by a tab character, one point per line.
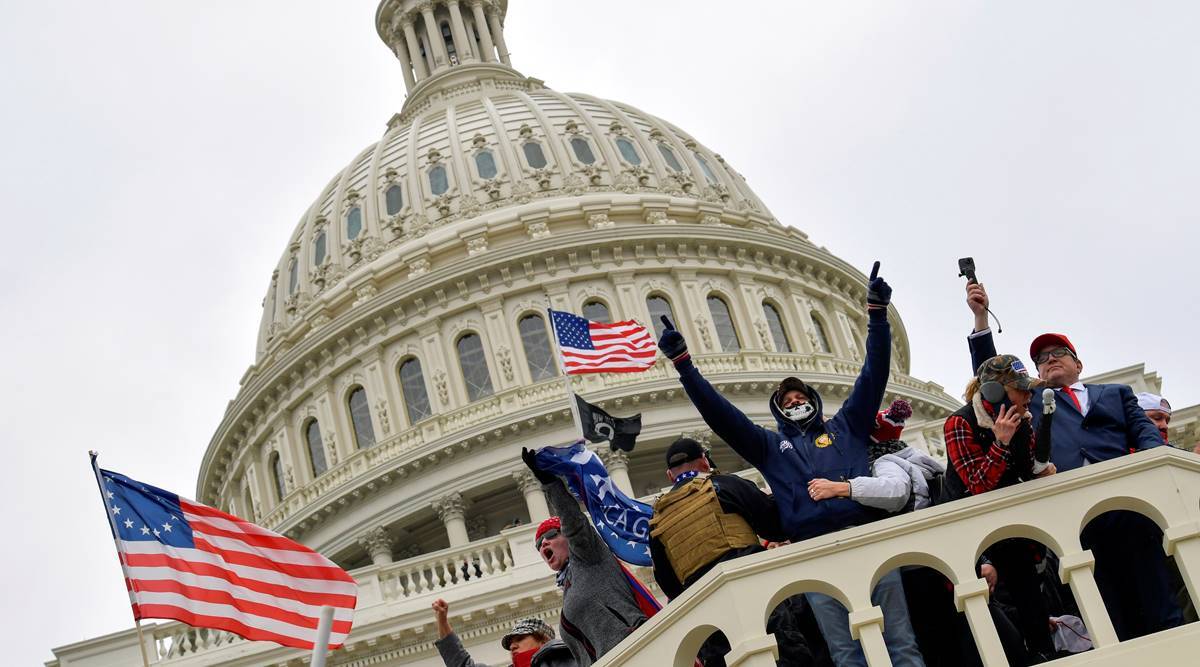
1114	424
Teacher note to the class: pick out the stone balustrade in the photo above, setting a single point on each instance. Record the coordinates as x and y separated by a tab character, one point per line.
452	427
174	641
736	597
437	571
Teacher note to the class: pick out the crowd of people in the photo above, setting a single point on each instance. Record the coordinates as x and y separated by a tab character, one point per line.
829	472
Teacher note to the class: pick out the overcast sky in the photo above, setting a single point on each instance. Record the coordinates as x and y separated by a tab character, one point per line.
157	155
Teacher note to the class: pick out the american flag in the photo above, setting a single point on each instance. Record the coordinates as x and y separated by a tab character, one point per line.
193	563
598	347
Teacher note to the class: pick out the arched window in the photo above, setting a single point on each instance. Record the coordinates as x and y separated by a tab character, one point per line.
354	223
775	324
485	164
277	476
448	37
596	311
723	321
393	198
538	354
583	151
438	183
669	157
534	155
708	172
316	449
319	248
474	367
628	152
360	418
659	306
412	385
293	276
822	339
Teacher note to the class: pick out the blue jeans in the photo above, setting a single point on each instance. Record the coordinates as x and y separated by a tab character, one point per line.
834	622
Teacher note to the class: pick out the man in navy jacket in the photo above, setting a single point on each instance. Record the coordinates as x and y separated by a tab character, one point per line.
1093	423
806	447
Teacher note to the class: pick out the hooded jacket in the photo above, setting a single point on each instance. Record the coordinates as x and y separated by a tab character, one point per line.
898	482
795	453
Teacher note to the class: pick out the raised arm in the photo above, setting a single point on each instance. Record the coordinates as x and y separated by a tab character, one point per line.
732	425
858	412
583	543
980	341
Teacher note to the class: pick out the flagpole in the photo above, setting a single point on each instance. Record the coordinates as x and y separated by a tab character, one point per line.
321	646
112	525
566	378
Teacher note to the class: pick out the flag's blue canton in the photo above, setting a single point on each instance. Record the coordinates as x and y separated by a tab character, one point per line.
623	522
572	330
144	512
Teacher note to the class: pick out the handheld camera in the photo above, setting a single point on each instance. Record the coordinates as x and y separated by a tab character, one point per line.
966	269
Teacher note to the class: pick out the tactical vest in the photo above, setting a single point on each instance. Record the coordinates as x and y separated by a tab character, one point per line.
694	530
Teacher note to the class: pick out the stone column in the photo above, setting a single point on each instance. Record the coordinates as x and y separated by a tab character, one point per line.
434	36
1076	570
461	43
535	500
866	625
414	47
1183	542
617	463
493	16
378	544
485	35
971	598
405	64
451	510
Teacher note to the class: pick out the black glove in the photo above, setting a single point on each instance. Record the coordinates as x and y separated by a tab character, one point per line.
879	293
671	342
529	457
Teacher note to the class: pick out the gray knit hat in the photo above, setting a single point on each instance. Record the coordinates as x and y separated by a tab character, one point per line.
528	626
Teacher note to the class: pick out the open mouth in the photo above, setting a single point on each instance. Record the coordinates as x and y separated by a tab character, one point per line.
547	553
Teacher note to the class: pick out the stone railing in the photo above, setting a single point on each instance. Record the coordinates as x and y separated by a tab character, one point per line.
447	568
737	596
451	426
174	641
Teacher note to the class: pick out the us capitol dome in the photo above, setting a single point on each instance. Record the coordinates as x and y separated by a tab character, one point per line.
404	356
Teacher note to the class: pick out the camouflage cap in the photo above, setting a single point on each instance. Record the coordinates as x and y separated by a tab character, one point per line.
528	626
1008	370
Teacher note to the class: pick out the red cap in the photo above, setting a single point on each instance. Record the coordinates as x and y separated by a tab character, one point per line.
551	523
1048	339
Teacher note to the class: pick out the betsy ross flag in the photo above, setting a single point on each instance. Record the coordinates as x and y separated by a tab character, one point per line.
193	563
599	347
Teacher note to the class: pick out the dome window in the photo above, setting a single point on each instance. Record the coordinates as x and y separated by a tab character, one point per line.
474	367
412	385
277	476
628	152
596	311
775	324
319	249
393	198
819	333
669	156
485	164
293	276
723	321
534	155
708	172
316	450
360	418
538	354
354	223
659	306
583	150
438	183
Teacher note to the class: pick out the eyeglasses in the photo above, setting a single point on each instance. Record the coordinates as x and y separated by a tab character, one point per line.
548	535
1057	353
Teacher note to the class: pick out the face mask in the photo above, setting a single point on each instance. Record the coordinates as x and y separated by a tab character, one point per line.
524	658
799	413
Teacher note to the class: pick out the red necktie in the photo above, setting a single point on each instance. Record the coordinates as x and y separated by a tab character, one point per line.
1074	399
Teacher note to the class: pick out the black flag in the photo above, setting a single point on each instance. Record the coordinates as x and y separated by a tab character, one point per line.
598	426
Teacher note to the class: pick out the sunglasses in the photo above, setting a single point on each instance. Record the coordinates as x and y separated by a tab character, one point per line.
548	535
1057	353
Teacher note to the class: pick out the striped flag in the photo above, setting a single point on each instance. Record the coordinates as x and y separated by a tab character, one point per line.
599	347
193	563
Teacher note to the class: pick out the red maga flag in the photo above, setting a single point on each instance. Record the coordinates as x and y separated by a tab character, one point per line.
599	347
193	563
